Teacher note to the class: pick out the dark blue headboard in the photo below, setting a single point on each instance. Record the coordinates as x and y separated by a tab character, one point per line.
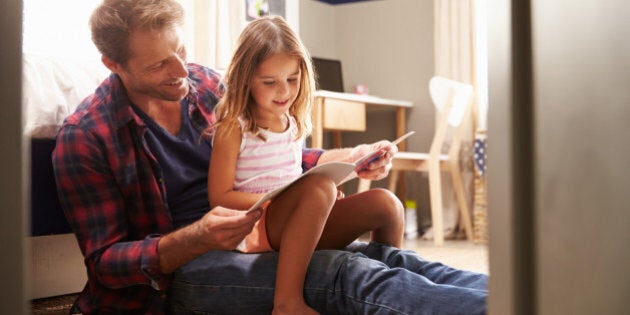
46	214
341	1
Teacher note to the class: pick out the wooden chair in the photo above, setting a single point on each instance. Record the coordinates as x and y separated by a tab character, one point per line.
452	99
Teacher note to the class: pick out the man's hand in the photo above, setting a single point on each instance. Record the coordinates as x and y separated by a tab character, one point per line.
219	229
224	228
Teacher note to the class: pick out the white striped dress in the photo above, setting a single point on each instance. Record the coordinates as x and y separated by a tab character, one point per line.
263	166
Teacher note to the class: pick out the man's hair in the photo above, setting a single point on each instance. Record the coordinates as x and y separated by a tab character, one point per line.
261	39
113	21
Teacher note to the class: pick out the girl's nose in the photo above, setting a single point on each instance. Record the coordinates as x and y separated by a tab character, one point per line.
283	88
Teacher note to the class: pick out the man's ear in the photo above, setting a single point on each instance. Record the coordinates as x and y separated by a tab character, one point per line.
110	64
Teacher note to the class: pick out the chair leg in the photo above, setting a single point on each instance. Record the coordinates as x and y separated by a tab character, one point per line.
393	179
462	204
363	185
435	196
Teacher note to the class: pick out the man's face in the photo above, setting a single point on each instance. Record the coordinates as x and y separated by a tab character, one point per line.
157	67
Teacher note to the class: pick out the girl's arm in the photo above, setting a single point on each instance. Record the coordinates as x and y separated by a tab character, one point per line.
225	149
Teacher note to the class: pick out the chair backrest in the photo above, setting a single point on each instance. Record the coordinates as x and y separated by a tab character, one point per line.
459	94
452	99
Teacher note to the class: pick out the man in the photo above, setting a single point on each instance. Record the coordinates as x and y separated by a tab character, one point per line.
131	169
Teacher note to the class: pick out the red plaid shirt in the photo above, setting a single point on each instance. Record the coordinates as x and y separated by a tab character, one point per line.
114	199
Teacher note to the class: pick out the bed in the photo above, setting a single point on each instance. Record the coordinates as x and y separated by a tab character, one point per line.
52	88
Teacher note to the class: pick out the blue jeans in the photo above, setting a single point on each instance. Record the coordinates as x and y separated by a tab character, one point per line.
366	279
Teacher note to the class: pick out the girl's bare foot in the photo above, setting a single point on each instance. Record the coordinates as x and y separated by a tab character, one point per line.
293	308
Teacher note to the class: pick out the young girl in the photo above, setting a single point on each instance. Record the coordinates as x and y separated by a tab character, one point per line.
262	122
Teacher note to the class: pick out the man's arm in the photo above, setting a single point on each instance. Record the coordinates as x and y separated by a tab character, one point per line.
219	229
96	210
310	158
98	214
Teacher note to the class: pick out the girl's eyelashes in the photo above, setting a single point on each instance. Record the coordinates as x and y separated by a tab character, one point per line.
273	82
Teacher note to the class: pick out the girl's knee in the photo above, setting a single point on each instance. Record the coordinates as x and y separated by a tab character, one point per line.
387	204
320	187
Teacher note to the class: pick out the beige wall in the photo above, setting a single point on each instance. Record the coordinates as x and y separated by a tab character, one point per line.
317	28
388	46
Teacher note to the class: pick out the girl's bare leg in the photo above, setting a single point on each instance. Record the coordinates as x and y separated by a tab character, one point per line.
295	221
376	210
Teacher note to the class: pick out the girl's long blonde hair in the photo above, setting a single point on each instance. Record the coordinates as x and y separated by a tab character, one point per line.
261	39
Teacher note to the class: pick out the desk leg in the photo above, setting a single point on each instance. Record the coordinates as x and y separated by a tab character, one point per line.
317	141
337	139
401	129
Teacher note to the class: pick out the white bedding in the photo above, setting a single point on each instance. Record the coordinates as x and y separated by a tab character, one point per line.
53	87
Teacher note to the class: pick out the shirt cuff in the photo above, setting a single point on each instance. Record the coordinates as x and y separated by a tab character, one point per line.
150	263
310	158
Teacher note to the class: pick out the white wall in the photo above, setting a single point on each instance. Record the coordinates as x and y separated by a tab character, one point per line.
388	46
46	32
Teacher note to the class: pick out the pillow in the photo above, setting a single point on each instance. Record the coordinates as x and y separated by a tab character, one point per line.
53	87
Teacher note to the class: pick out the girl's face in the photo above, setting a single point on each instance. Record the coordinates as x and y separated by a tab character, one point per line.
275	85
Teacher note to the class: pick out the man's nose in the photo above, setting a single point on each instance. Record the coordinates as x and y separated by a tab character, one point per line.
178	68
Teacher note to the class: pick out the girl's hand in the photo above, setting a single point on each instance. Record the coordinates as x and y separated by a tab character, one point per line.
379	168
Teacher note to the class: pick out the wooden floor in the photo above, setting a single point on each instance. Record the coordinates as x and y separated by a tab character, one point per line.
460	254
53	305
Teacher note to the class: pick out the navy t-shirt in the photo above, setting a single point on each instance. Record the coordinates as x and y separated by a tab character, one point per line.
184	160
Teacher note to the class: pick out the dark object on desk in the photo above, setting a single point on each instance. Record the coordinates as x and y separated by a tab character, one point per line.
328	74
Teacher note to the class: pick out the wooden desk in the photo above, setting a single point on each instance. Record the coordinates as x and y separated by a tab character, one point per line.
337	112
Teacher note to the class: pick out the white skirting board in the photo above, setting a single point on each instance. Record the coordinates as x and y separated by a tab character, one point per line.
56	266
